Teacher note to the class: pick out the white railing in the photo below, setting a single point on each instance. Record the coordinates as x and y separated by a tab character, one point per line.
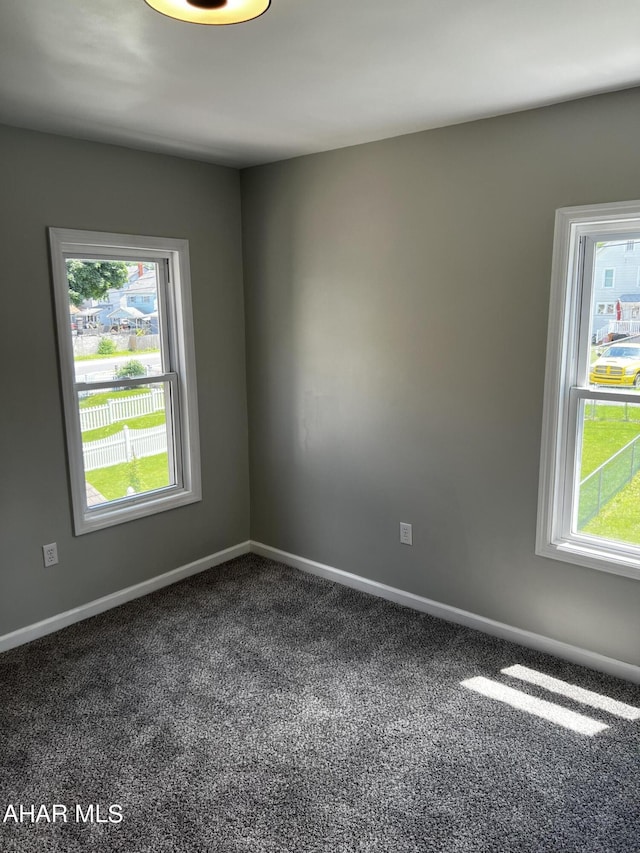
123	446
619	327
113	411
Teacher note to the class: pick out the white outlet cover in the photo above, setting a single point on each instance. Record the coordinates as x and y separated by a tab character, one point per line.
406	533
50	554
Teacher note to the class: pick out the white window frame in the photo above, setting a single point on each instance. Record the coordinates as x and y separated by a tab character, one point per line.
611	313
606	286
566	385
172	255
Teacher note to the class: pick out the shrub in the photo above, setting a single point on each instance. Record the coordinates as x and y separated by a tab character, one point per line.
130	369
106	346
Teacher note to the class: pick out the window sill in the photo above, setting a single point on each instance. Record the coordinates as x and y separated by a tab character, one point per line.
118	513
592	556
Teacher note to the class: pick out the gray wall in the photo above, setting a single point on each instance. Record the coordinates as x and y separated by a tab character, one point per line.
396	299
48	180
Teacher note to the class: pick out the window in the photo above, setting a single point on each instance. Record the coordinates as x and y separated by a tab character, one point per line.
607	277
589	507
607	309
128	385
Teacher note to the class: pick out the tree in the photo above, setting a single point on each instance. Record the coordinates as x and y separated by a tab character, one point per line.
92	279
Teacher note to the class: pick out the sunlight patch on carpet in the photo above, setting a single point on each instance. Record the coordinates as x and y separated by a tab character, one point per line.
532	705
571	691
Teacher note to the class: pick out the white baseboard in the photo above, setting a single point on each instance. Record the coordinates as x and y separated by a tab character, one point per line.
575	654
85	611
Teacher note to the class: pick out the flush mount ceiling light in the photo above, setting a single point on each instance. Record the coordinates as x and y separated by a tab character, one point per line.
211	11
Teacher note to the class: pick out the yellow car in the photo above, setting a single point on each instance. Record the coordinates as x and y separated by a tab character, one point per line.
619	364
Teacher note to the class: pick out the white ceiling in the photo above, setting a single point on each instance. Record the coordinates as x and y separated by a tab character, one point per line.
309	75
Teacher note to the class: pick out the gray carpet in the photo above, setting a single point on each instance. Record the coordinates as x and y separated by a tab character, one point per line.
254	708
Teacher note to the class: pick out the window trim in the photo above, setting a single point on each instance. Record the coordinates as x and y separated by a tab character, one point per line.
562	394
612	285
173	254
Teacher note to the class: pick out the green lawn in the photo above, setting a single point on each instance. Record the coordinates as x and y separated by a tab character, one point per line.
128	352
112	482
619	519
602	438
143	422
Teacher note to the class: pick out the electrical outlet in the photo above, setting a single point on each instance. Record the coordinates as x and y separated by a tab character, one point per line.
406	533
50	553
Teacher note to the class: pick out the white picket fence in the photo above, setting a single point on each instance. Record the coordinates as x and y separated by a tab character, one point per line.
113	411
123	446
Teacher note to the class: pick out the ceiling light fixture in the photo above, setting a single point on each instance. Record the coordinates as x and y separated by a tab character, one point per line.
211	11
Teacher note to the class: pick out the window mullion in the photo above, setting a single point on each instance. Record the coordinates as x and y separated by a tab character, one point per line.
164	309
125	382
611	396
174	433
572	442
584	286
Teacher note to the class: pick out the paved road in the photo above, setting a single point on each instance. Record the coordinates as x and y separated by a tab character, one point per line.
103	368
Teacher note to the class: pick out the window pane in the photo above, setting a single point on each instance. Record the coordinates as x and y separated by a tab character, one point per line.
126	444
609	466
114	312
615	315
